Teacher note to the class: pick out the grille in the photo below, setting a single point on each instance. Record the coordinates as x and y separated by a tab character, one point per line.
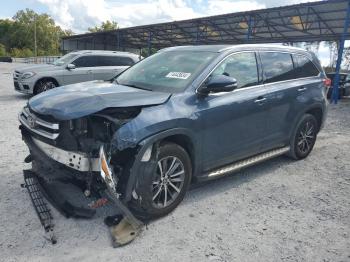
37	125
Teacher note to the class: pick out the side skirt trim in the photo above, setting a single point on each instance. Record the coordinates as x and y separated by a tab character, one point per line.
247	162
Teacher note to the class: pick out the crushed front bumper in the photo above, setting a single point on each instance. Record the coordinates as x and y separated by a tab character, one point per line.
50	165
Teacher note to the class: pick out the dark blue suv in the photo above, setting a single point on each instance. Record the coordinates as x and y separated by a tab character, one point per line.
184	114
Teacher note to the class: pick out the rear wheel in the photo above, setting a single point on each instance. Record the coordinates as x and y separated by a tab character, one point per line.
304	137
45	85
163	190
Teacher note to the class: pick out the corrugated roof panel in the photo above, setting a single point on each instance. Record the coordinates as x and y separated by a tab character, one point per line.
314	21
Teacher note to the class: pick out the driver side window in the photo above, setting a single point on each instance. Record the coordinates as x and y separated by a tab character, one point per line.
242	67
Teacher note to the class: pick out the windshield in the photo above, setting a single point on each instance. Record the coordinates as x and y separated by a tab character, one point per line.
170	71
64	59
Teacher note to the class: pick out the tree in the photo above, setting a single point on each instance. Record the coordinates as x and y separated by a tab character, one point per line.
2	50
105	26
18	34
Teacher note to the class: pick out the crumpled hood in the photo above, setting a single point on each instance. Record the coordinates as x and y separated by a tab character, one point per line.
82	99
36	68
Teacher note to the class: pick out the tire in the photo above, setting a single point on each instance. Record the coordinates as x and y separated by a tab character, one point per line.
44	85
304	137
151	187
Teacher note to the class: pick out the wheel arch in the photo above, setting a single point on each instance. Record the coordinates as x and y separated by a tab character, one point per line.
317	112
180	136
42	79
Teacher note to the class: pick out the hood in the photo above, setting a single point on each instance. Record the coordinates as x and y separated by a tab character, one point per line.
36	68
82	99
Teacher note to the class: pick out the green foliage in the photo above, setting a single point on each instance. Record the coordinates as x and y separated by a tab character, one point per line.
2	50
18	34
24	52
144	51
105	26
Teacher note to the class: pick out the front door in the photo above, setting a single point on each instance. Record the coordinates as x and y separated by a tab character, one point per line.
82	72
234	123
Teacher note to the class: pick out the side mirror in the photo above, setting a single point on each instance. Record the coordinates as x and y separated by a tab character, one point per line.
219	83
70	66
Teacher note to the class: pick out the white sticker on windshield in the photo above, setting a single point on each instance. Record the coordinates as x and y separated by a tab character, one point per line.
179	75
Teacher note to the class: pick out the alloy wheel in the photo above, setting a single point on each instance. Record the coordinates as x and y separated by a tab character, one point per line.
168	182
306	137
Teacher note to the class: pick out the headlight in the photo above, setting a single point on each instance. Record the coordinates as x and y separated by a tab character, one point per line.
27	75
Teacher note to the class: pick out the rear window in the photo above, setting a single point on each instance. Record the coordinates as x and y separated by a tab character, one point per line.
304	67
114	61
277	66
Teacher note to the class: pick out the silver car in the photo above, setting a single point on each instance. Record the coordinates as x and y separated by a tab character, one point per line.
72	68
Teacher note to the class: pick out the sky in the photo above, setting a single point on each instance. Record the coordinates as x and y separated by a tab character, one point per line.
78	15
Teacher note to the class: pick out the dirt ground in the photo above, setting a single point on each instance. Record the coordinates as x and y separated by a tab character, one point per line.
280	210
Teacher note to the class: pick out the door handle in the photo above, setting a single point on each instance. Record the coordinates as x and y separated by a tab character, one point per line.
260	100
301	89
89	71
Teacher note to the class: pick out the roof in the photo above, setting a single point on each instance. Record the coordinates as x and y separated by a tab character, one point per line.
222	48
104	52
314	21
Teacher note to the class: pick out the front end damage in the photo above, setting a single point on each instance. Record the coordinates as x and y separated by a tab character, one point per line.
85	152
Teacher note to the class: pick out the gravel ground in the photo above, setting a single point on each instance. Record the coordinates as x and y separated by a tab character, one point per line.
280	210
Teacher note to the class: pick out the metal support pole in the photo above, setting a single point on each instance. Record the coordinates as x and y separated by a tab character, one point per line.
249	32
335	91
149	43
118	40
35	45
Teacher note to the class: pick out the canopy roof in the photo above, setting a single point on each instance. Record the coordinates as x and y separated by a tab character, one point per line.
315	21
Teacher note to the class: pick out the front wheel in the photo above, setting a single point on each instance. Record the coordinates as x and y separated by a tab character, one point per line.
162	191
44	85
304	137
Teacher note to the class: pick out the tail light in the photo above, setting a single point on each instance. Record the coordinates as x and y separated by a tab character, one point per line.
327	82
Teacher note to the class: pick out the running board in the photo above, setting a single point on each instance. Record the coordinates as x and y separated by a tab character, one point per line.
247	162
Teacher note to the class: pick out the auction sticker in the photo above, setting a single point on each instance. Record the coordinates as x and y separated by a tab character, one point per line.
179	75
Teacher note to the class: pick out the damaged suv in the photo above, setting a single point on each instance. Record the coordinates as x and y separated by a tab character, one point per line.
184	114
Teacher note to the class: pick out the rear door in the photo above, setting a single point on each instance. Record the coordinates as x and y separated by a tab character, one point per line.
83	70
287	81
234	122
108	67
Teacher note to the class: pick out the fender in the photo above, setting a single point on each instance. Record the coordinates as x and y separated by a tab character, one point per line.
139	166
301	113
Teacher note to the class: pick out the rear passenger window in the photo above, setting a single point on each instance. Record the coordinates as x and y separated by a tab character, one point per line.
125	61
242	67
115	61
96	61
304	67
277	66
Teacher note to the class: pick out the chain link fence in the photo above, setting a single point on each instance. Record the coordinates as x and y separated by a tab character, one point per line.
35	60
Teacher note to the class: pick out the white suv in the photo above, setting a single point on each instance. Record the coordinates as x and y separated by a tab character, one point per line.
72	68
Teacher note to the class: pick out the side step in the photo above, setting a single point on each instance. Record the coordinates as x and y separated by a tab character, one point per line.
247	162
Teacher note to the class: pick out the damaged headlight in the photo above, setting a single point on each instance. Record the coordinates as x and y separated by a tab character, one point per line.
106	172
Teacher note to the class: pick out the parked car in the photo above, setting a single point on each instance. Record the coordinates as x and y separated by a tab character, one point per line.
6	59
75	67
344	85
184	114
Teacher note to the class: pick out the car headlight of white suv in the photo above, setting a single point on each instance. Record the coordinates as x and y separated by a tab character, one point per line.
27	75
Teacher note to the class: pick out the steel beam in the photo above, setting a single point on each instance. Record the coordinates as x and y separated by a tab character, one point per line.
335	91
